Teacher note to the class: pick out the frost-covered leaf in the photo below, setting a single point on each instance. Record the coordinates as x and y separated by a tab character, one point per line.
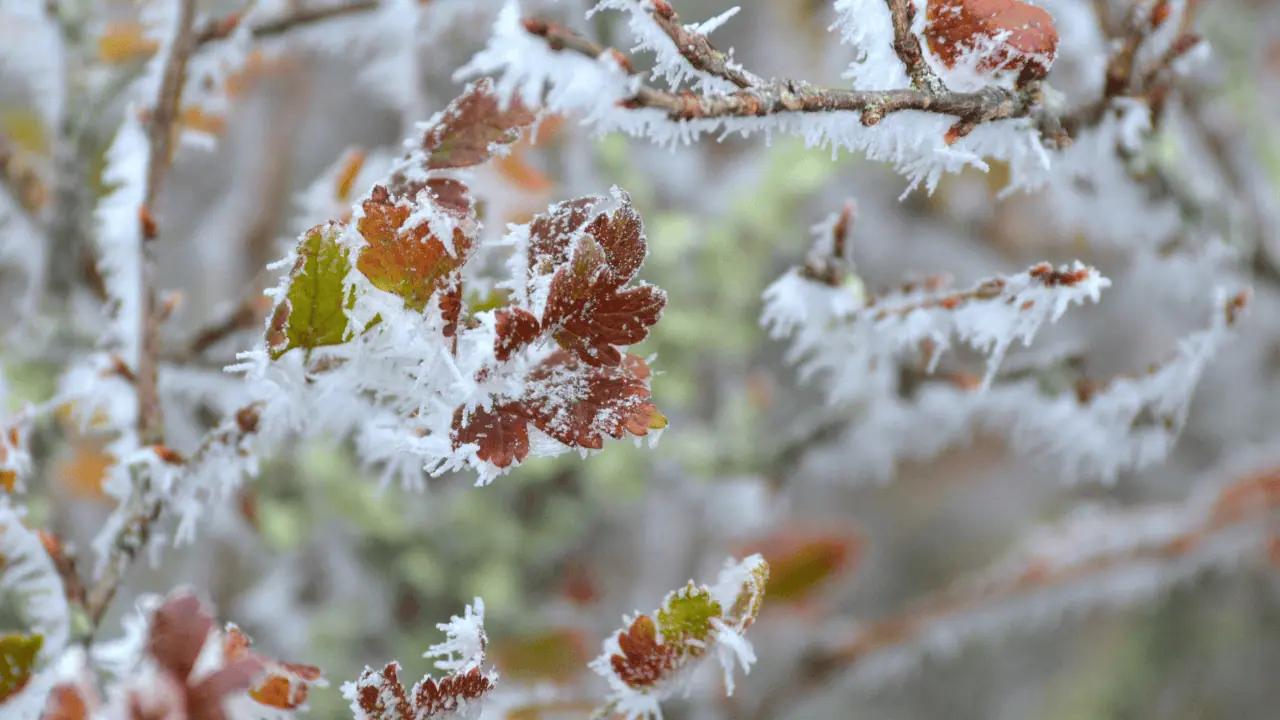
687	616
468	131
407	261
18	654
992	35
314	310
516	328
455	379
588	310
577	403
646	661
280	685
380	695
501	435
642	660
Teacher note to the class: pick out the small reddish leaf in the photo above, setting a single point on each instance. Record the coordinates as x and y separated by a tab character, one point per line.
552	234
471	125
587	309
958	27
282	685
501	434
380	695
179	628
411	263
643	661
576	404
516	327
439	698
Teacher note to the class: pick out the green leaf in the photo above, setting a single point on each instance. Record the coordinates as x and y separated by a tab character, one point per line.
687	615
313	313
17	662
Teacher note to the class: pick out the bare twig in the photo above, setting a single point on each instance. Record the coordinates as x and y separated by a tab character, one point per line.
222	28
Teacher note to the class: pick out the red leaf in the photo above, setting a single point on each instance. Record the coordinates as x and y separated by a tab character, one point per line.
576	404
179	629
956	27
432	698
551	234
471	125
380	694
516	328
502	433
587	310
643	661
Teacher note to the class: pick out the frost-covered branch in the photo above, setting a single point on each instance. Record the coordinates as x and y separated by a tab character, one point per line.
759	98
528	57
1096	557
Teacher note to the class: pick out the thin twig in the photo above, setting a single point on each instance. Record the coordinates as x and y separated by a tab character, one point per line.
907	46
697	48
143	508
222	28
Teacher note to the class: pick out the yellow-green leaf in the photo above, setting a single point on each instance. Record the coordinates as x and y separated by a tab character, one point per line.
687	615
17	662
313	313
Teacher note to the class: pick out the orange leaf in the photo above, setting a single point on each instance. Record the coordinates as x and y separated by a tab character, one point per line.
125	41
412	263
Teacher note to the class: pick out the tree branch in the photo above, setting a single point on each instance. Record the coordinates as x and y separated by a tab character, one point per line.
143	507
763	98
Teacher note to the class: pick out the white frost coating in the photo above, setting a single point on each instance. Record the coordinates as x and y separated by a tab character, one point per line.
1091	189
913	142
848	340
120	233
399	385
28	573
867	26
463	648
1132	423
669	65
29	577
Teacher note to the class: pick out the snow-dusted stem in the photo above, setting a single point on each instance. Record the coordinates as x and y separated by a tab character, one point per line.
759	98
145	509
